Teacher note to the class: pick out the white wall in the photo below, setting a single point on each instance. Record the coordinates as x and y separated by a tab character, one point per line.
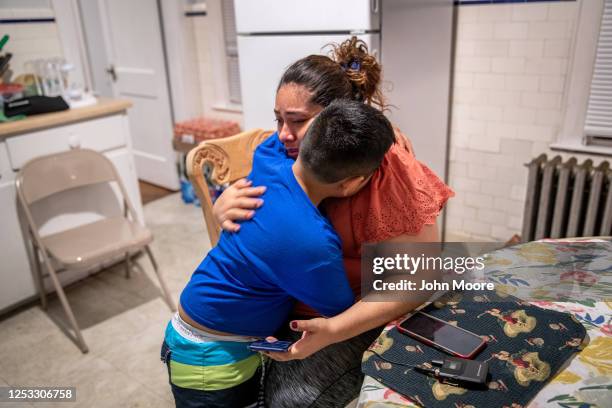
26	4
30	40
208	37
420	28
182	71
509	94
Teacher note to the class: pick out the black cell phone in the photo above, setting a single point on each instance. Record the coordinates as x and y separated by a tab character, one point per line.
457	371
264	345
441	335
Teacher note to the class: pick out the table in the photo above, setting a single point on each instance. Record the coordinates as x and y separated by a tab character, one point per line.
528	269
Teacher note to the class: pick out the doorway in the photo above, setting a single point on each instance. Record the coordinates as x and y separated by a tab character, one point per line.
127	60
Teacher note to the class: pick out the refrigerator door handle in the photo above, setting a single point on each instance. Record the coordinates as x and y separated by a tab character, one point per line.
375	6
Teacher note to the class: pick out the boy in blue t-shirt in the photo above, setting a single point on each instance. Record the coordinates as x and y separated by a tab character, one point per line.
246	286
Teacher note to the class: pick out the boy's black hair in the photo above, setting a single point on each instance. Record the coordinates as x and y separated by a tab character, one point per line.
346	139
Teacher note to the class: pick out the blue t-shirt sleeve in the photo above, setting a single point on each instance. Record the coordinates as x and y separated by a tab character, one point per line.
269	156
271	148
324	287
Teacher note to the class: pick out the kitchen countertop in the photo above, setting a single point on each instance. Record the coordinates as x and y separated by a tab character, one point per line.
104	107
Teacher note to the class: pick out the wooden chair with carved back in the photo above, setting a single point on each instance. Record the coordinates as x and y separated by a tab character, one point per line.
229	159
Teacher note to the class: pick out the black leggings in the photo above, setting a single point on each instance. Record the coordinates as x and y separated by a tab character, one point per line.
329	378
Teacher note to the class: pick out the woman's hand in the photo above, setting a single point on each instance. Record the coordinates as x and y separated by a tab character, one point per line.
237	203
317	334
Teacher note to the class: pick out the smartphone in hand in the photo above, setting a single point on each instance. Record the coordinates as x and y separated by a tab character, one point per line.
265	345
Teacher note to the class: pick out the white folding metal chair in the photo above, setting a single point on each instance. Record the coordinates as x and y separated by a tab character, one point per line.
85	245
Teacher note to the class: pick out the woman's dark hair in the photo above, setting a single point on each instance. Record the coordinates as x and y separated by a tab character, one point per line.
350	73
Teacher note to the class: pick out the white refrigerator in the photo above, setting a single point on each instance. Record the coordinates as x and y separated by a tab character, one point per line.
272	34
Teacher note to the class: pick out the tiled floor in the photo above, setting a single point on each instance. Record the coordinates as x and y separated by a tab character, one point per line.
122	321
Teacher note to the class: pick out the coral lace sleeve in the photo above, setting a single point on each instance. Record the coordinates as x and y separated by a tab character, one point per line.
402	196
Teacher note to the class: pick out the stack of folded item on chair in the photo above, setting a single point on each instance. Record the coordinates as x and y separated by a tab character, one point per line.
199	129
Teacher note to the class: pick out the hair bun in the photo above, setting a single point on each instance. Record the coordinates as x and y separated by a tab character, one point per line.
362	70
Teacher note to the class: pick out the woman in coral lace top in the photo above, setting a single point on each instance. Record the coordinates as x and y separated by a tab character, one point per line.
400	204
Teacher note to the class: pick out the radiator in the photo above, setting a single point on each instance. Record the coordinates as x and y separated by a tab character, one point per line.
567	199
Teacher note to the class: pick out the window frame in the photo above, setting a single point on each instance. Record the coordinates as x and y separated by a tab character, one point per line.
219	64
578	81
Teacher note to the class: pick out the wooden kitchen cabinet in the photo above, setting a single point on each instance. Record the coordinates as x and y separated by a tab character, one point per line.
103	127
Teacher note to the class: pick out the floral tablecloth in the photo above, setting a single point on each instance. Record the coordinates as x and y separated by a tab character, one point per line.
530	271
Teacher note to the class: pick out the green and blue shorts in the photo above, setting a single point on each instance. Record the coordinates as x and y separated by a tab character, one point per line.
210	370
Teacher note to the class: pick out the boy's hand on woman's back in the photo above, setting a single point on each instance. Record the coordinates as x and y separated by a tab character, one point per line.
237	203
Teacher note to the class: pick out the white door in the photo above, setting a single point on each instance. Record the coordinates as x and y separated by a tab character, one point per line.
131	31
264	58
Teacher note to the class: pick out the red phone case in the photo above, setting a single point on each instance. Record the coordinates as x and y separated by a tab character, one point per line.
435	345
